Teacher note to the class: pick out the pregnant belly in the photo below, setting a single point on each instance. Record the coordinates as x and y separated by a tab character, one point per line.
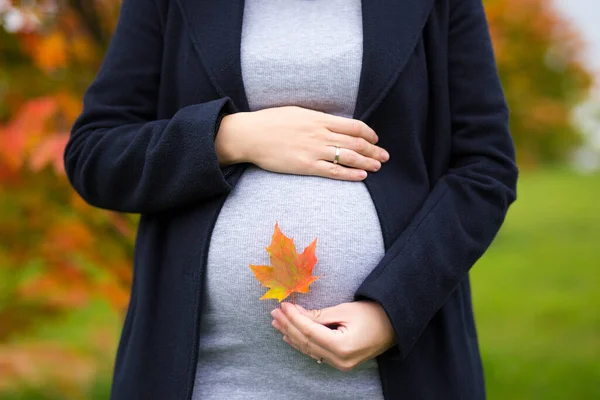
340	214
237	341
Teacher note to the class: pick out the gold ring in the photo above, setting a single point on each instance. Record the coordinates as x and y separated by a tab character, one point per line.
337	157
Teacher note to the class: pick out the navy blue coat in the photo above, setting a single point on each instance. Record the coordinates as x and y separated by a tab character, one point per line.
429	87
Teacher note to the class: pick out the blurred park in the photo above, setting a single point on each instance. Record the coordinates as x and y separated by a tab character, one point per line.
65	267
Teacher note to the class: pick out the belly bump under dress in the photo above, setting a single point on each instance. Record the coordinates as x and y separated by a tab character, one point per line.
306	53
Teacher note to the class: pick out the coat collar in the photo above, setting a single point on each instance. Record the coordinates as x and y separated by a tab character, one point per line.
391	29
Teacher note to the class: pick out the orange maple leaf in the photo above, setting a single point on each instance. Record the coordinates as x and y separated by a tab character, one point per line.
289	271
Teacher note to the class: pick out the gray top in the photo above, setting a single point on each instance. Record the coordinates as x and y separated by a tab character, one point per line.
306	53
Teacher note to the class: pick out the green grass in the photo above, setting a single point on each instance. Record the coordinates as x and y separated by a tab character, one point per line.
537	292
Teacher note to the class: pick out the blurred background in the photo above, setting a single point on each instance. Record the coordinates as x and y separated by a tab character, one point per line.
65	267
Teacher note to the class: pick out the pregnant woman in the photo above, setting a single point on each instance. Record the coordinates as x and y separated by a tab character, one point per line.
308	54
378	128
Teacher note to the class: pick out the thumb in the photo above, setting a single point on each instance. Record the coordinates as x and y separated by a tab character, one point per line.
324	316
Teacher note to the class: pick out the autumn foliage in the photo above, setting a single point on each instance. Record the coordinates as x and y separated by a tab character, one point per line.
57	254
540	62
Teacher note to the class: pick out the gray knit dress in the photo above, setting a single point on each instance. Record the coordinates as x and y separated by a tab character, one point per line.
306	53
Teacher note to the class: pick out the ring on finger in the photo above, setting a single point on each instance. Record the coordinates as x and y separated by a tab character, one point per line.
337	155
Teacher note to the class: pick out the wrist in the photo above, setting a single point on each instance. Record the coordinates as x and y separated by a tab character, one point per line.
228	143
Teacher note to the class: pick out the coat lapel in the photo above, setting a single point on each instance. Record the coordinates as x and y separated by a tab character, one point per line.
216	29
390	32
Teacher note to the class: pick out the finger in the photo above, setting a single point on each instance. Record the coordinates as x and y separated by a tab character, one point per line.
309	331
315	332
291	343
359	145
351	158
335	315
337	171
297	340
342	365
314	355
343	358
352	127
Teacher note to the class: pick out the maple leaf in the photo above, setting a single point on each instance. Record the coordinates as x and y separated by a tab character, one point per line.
289	271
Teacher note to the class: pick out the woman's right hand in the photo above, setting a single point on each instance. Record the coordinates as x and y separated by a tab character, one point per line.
296	140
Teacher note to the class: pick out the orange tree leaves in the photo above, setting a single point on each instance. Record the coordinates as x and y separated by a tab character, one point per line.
543	72
289	271
57	253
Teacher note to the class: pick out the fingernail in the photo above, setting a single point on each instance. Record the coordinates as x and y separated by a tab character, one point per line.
377	166
362	174
385	155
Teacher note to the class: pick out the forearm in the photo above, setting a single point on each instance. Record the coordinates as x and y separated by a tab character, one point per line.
467	206
426	263
145	167
120	156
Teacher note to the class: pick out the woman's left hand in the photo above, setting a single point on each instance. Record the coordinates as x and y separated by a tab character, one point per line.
362	331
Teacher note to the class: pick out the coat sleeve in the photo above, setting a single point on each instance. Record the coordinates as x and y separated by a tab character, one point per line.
467	206
119	156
